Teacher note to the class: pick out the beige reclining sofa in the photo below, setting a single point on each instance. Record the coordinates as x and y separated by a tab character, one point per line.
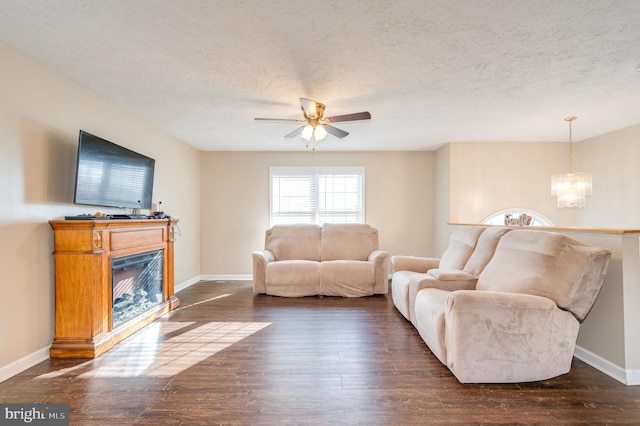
470	249
328	260
519	319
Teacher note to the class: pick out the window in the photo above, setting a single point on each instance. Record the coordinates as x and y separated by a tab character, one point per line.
317	195
498	218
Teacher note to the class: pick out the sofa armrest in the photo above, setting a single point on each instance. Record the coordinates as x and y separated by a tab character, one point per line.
451	275
260	260
495	337
413	263
443	279
380	260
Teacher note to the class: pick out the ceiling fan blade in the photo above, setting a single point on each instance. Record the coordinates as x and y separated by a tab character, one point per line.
288	120
296	132
365	115
335	131
309	107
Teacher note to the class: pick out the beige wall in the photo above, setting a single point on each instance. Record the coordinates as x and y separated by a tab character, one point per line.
602	331
442	199
399	192
613	159
41	113
488	177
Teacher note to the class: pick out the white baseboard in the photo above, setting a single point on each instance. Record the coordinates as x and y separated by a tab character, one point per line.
226	277
24	363
628	377
185	284
194	280
633	377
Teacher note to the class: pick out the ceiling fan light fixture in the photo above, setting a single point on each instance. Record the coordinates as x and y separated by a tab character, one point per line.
307	132
316	127
320	132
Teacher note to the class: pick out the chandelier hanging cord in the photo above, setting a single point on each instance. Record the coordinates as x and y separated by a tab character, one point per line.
570	120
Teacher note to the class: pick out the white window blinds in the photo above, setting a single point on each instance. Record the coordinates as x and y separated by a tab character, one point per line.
317	195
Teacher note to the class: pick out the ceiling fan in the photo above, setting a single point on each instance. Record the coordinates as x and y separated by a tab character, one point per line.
316	125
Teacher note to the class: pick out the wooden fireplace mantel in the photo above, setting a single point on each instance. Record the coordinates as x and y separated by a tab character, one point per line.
83	250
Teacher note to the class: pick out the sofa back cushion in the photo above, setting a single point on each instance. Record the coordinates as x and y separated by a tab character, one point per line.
547	264
485	248
294	242
347	241
461	244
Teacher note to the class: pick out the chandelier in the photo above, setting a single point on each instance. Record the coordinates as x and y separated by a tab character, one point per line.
571	188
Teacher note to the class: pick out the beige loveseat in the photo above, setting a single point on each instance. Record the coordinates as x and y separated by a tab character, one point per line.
328	260
518	319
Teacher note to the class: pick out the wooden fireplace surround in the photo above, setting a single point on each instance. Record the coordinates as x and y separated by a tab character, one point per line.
83	250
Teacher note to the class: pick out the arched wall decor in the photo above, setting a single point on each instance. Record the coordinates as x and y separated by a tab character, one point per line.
498	218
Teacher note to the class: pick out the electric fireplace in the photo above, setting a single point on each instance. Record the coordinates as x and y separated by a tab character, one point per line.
112	278
138	285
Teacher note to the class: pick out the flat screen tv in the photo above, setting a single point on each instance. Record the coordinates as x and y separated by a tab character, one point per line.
112	176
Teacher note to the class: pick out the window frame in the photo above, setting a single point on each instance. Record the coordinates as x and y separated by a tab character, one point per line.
317	172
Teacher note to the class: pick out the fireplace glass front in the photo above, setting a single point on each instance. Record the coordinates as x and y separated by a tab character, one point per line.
138	285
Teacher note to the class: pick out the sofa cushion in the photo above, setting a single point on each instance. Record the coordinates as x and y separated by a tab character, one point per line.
442	279
461	244
347	278
342	241
291	242
293	278
485	248
430	320
400	292
547	264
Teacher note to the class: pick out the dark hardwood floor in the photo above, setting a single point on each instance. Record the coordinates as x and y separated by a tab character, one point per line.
227	356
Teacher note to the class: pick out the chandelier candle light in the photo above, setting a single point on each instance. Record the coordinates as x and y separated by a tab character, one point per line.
571	188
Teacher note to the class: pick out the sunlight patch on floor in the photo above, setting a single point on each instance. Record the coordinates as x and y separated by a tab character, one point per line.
159	356
164	349
181	307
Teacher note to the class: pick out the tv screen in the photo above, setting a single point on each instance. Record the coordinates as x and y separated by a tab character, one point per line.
110	175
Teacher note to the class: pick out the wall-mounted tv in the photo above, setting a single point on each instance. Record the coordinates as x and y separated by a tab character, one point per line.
112	176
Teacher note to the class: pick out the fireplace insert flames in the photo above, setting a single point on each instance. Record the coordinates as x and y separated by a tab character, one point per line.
138	285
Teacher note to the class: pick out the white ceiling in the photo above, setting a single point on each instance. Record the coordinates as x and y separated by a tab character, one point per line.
430	72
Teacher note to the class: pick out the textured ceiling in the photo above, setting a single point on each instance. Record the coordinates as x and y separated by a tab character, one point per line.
430	72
